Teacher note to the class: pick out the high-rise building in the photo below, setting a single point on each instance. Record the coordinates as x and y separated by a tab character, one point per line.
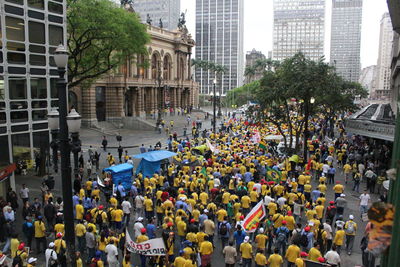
251	61
383	73
166	10
367	78
30	31
219	39
298	27
346	38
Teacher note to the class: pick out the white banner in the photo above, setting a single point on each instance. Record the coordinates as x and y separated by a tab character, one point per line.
213	149
152	247
100	182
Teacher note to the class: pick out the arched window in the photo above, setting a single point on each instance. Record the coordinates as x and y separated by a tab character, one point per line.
140	67
182	68
167	67
155	65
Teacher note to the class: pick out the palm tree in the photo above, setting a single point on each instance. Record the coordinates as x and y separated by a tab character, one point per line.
249	73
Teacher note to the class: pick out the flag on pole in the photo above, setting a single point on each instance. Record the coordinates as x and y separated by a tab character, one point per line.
204	172
100	182
253	219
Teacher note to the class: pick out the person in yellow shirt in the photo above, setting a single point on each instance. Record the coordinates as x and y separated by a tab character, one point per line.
80	231
79	211
180	260
59	227
148	204
181	229
40	234
314	252
261	239
14	245
350	229
245	203
300	260
339	239
347	169
246	251
339	189
221	214
79	262
260	259
206	250
275	260
32	262
320	210
272	207
117	216
292	253
60	246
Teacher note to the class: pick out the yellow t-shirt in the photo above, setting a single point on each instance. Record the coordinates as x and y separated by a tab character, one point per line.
261	240
40	229
221	214
148	203
179	262
59	228
314	254
338	188
339	238
181	226
299	262
142	238
79	262
246	249
80	230
292	253
58	243
117	214
79	210
275	260
245	202
206	248
261	259
14	246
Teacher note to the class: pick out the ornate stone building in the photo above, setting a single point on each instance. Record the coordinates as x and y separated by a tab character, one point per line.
144	84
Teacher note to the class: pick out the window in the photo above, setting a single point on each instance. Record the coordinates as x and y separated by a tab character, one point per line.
38	88
19	116
53	88
17	88
37	60
39	115
55	35
15	29
36	32
18	2
16	58
55	8
2	90
21	147
36	4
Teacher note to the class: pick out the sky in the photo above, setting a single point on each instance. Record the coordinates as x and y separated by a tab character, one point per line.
258	23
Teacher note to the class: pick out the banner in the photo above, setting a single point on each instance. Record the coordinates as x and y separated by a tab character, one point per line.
211	147
252	220
100	182
7	171
152	247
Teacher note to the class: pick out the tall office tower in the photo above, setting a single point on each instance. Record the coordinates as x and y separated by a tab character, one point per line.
298	26
251	61
30	32
346	38
383	74
166	10
219	39
367	78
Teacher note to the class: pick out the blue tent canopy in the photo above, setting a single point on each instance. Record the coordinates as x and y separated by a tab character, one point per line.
151	161
121	173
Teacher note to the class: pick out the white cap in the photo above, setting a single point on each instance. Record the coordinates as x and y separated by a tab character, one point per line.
351	217
293	180
342	195
32	260
51	245
140	219
246	239
205	210
261	230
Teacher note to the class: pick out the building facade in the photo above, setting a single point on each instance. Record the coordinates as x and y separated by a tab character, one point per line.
346	38
383	73
139	90
30	31
367	78
166	10
219	39
251	60
298	27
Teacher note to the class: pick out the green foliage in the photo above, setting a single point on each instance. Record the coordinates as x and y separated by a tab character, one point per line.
241	95
207	65
101	36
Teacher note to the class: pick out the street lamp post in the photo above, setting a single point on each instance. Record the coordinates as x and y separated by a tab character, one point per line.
307	107
214	107
159	82
61	59
53	121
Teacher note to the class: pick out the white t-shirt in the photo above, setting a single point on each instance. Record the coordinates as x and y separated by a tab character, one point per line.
50	253
139	202
126	207
112	253
364	199
328	230
325	168
332	257
267	200
24	192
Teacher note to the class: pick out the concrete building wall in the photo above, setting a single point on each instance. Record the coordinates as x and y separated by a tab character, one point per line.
346	38
298	27
219	39
251	59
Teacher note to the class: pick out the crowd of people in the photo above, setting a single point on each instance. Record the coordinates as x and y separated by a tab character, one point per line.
196	207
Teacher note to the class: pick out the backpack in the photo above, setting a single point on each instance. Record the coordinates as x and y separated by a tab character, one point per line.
303	240
121	242
99	218
223	229
109	217
17	261
281	237
93	263
331	211
350	228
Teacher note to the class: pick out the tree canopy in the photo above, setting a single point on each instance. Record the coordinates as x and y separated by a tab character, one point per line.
298	88
101	36
241	95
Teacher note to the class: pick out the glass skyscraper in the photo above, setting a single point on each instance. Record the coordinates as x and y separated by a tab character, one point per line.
298	26
346	38
166	10
219	39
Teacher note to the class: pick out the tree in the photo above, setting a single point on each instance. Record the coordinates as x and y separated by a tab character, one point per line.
295	90
101	36
243	94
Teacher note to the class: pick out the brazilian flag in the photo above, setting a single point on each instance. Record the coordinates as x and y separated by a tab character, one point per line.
204	172
273	175
262	145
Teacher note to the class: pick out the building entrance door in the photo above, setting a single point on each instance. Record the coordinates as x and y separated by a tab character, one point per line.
101	103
